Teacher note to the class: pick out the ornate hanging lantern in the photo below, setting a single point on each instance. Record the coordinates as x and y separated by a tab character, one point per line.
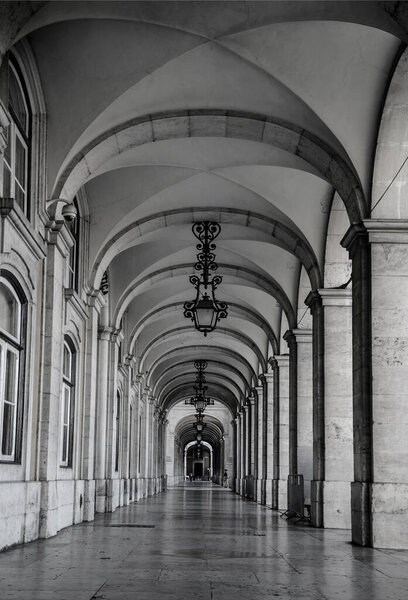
205	310
200	400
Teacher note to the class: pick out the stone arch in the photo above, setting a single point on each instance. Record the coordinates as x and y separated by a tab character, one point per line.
246	312
390	181
224	123
282	235
223	351
220	330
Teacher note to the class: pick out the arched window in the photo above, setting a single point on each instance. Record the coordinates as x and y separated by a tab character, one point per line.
68	403
16	156
74	227
11	349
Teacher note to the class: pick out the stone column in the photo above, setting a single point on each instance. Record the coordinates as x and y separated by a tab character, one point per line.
164	449
304	338
171	452
268	461
389	301
261	443
290	339
253	435
127	425
159	460
247	430
238	453
59	242
105	337
356	242
338	412
282	416
242	461
144	410
149	442
233	475
275	434
314	302
95	303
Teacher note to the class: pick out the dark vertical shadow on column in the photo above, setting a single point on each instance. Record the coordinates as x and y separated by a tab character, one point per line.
314	302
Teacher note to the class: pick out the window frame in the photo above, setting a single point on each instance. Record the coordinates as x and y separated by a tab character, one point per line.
67	415
15	345
16	132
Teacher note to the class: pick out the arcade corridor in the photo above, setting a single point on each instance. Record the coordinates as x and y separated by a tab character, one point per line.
203	275
200	541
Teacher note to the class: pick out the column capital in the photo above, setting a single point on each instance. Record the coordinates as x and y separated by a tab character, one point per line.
95	299
289	338
303	336
105	333
273	362
266	377
117	336
313	300
336	296
355	236
57	234
128	359
388	231
282	360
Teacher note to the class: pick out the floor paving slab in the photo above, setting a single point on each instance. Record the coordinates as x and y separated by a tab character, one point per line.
201	542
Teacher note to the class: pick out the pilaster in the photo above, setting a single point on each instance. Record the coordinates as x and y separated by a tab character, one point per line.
282	425
388	240
313	301
304	343
338	379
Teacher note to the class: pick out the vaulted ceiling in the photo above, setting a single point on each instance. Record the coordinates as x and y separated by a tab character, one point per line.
250	114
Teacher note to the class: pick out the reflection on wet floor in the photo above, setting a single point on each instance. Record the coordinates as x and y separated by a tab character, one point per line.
204	542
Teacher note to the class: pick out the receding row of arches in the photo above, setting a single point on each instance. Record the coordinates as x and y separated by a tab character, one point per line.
220	116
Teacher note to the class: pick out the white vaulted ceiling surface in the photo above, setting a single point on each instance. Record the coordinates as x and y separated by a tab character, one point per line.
247	114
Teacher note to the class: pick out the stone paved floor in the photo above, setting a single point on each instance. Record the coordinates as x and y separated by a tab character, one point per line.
200	542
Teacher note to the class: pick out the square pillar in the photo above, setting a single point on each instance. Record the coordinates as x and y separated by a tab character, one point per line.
281	419
388	241
268	381
338	412
304	416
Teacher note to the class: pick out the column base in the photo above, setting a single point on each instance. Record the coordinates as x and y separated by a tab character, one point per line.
89	499
261	491
48	509
337	504
316	500
268	492
361	524
282	494
275	494
389	517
